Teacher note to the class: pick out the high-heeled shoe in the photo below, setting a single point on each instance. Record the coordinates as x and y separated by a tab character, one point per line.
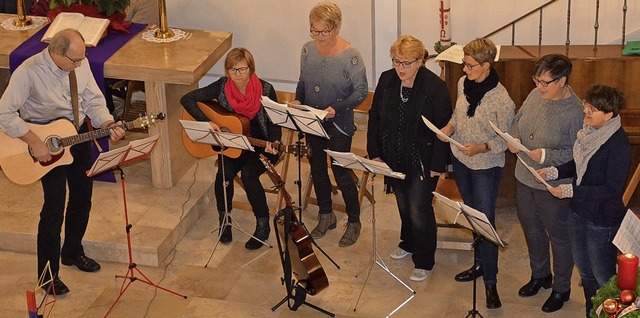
493	300
533	286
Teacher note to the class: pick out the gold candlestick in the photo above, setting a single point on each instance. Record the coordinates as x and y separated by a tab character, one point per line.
163	32
22	20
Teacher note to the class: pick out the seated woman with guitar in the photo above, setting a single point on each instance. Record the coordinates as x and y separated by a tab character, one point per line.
240	93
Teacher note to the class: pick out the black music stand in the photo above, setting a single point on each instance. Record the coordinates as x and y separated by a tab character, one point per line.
479	224
304	122
202	132
283	240
112	160
352	161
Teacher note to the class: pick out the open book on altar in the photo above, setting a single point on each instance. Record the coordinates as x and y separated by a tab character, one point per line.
92	29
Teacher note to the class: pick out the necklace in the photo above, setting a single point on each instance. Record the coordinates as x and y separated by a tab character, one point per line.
537	123
404	99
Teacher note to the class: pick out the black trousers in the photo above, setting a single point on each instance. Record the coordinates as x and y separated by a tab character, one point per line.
54	186
320	173
250	168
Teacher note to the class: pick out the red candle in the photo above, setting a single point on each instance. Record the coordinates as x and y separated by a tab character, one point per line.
627	271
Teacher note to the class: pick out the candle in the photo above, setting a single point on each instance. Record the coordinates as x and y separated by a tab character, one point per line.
627	272
445	22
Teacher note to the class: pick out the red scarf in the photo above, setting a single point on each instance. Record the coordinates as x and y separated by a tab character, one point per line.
249	104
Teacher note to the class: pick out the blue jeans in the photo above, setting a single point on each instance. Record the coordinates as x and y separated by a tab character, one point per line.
594	254
418	229
320	173
479	190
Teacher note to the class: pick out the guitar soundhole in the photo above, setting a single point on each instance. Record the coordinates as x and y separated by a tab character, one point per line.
54	144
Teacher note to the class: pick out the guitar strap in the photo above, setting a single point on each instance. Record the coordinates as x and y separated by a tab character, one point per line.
73	86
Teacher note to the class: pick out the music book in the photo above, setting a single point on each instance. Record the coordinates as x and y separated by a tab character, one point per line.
92	29
510	140
440	133
627	239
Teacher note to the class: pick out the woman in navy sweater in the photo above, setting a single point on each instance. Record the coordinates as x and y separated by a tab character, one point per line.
601	159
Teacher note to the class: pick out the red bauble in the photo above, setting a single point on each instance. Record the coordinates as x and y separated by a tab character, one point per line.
610	306
627	297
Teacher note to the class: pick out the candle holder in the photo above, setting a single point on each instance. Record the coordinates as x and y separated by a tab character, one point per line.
22	20
440	47
163	32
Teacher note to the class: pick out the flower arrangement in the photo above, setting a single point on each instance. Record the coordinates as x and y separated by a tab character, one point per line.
108	7
620	296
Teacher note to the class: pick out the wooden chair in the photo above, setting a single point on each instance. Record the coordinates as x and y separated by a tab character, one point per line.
631	187
361	181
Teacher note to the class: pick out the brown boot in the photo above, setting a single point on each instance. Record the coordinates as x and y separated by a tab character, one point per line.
350	235
325	222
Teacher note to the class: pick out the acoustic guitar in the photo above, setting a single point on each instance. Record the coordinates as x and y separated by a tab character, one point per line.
21	167
229	122
304	263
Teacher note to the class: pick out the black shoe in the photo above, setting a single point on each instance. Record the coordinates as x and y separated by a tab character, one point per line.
59	288
531	288
225	232
226	236
555	301
261	233
470	274
493	300
82	262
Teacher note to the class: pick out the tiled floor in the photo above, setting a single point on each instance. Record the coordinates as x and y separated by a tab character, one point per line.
173	228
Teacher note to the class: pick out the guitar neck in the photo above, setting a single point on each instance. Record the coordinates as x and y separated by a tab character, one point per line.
91	135
263	143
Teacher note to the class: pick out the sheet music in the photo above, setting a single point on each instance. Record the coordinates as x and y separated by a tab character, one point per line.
279	113
481	225
294	118
455	54
141	147
318	112
627	239
200	131
351	161
440	133
453	211
510	140
533	172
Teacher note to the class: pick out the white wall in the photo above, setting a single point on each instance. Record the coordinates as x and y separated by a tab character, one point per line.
274	31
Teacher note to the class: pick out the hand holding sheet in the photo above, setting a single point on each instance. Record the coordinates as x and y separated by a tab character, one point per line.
533	172
512	141
440	133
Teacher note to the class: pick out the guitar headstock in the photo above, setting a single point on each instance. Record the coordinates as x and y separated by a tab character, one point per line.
147	120
296	150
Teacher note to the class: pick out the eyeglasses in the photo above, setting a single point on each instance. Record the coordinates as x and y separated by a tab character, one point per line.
236	70
397	62
469	66
76	61
543	83
317	33
589	109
